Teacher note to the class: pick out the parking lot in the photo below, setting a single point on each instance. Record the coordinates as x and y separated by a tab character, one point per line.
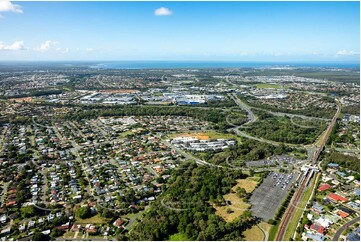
274	161
267	198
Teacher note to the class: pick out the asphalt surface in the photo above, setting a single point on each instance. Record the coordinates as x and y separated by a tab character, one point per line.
267	198
344	227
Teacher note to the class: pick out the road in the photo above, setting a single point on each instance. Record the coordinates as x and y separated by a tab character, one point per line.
5	190
94	124
134	219
150	169
243	134
344	227
2	137
251	117
265	233
294	204
291	115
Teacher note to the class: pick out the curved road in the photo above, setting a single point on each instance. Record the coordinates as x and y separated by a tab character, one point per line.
251	117
280	114
344	227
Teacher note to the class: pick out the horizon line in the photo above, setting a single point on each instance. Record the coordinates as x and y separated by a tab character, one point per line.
170	60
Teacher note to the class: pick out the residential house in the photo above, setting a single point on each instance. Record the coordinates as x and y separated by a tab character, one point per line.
318	228
336	198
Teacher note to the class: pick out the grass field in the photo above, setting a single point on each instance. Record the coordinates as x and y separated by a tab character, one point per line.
202	135
250	183
124	134
253	234
69	235
96	219
178	237
267	85
237	206
265	226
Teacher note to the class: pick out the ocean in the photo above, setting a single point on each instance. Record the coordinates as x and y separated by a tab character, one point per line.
216	64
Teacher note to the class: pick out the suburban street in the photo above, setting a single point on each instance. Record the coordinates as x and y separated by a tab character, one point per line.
344	227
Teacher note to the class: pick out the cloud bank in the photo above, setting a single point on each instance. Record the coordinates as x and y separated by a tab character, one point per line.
46	46
346	53
162	11
17	45
7	6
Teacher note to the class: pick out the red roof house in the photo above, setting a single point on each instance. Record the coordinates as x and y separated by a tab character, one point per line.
324	187
63	227
118	222
342	214
318	228
337	198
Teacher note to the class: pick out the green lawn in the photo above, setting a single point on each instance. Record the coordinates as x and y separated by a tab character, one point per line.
96	219
124	134
267	85
178	237
273	232
133	215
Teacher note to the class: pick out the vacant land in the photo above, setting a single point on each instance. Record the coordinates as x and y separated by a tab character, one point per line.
253	234
236	206
249	184
234	203
96	219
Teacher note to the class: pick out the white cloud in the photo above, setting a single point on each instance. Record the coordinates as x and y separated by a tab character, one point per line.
89	49
46	46
7	6
162	11
66	50
17	45
346	53
63	50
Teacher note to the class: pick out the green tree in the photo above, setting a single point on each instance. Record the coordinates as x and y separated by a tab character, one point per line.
83	212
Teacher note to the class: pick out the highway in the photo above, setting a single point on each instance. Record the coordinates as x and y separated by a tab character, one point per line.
291	209
251	117
291	115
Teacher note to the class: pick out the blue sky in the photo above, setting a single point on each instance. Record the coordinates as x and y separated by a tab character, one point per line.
233	31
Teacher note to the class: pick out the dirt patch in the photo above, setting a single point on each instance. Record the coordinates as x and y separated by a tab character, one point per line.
200	136
22	99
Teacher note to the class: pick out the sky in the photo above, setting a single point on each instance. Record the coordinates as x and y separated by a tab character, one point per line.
222	31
